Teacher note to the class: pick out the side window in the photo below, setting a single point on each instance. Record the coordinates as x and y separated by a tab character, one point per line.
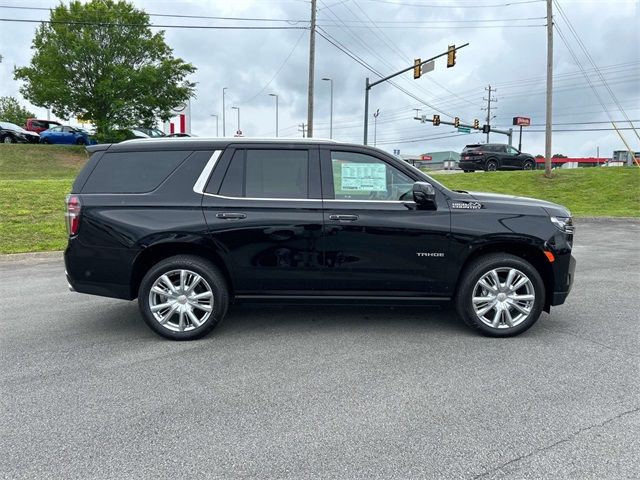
133	172
277	174
233	183
512	151
56	129
357	176
267	174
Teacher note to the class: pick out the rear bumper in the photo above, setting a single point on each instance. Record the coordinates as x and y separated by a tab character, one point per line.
103	272
471	164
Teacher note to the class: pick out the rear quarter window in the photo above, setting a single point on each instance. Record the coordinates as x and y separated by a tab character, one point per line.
133	172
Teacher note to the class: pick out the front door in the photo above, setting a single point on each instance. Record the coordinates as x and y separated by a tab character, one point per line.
377	241
264	212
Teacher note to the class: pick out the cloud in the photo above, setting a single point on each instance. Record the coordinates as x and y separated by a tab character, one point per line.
509	55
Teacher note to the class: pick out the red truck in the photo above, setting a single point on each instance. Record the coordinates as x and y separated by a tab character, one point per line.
36	125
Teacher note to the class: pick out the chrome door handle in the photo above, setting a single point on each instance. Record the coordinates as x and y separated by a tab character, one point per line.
231	215
344	218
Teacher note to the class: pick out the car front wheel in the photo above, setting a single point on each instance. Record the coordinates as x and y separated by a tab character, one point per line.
500	295
183	297
527	166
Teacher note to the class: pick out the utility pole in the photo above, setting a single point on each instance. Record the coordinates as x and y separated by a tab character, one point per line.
312	60
489	99
302	128
224	133
548	126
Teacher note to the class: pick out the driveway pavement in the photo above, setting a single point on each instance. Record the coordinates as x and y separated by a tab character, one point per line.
88	391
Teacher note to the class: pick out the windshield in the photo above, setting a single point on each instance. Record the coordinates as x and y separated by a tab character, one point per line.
470	148
12	126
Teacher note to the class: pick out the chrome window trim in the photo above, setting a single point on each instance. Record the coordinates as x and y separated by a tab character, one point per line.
198	187
305	199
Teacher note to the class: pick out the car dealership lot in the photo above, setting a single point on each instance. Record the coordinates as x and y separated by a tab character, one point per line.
306	392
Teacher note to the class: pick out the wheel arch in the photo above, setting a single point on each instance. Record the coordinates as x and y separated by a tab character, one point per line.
530	253
159	251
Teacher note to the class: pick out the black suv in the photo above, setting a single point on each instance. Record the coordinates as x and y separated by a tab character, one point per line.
186	225
494	156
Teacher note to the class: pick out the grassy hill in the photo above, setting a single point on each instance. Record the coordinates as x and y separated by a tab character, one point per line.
587	192
34	180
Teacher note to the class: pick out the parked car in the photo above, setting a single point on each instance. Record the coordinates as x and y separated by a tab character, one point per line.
188	225
12	133
63	134
494	156
38	126
144	132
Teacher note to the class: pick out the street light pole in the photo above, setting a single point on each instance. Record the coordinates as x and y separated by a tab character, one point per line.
330	80
375	126
216	115
238	109
275	95
224	133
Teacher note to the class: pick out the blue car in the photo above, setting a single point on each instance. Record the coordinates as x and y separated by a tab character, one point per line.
63	134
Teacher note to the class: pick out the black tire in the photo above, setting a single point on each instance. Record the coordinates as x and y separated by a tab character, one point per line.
528	165
80	141
8	139
491	165
213	278
475	271
46	141
468	171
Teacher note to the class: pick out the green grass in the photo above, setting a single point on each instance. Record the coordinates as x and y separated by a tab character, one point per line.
34	180
587	192
31	162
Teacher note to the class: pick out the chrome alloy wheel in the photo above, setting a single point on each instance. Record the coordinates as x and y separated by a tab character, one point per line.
503	298
181	300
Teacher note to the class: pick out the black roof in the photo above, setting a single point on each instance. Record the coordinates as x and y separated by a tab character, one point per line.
200	143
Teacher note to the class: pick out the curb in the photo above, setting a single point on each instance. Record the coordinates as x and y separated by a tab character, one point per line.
35	257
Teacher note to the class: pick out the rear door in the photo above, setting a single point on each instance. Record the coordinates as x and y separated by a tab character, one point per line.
377	242
263	208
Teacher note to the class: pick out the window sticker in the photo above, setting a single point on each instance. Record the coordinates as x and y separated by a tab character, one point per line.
369	177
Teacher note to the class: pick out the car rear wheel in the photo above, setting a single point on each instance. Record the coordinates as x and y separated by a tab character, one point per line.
183	297
7	139
46	140
500	295
491	166
527	166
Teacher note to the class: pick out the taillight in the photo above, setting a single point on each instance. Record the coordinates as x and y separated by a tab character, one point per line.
73	215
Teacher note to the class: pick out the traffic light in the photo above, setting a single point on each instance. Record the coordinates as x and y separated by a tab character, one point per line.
456	122
476	124
451	56
417	68
436	120
486	128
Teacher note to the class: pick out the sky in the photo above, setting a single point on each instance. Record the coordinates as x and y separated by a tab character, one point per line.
507	50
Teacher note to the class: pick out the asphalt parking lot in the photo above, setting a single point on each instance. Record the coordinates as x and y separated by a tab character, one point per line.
88	391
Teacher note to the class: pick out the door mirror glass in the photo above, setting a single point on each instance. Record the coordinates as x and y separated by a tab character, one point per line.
424	195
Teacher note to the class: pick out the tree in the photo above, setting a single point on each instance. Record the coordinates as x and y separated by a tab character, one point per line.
558	155
11	111
100	61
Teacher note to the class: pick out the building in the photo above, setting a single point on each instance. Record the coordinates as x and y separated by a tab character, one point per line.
447	160
624	156
570	162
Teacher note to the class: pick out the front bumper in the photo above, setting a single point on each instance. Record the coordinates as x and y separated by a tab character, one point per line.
563	281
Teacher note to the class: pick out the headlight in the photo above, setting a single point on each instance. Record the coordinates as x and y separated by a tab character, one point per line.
565	224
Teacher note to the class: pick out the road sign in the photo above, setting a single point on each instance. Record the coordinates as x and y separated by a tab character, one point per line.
464	129
428	67
522	121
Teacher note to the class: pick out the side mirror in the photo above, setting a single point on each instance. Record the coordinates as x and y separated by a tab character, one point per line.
424	195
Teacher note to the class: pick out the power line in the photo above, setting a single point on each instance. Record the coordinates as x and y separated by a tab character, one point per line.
455	5
154	25
277	71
